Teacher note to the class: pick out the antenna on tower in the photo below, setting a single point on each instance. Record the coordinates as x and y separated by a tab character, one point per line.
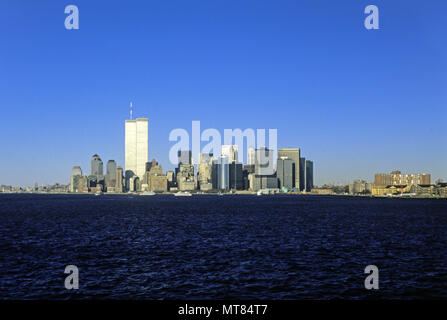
131	110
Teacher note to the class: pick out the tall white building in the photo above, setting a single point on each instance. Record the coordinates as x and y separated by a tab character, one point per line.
251	155
231	152
136	146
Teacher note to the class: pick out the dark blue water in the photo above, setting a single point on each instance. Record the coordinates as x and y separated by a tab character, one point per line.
270	247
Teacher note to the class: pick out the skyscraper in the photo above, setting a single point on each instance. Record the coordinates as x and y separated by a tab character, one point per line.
309	175
294	155
302	174
96	166
76	174
111	174
284	172
119	179
223	174
236	179
136	146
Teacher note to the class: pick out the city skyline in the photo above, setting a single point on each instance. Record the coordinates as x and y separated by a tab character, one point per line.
144	141
358	102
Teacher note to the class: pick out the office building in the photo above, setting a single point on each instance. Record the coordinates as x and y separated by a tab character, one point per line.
96	166
83	184
110	178
284	173
294	155
223	174
236	177
76	174
302	171
136	147
119	179
264	182
309	175
214	173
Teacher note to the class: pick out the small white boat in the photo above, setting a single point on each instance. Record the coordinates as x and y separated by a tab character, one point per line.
182	194
147	193
259	193
98	193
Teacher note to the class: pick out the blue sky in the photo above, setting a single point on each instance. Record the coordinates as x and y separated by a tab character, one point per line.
356	101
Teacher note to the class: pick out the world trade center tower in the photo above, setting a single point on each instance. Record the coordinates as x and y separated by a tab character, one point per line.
136	146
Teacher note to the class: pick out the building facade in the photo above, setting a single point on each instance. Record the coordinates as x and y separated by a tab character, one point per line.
223	173
294	155
76	174
236	177
136	147
309	175
261	182
156	180
110	179
96	166
396	178
119	179
302	170
185	177
284	173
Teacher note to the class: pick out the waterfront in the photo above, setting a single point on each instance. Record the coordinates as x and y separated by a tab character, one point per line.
242	246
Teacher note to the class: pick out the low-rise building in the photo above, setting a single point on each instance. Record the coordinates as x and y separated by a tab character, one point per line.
441	189
423	189
396	178
390	190
322	191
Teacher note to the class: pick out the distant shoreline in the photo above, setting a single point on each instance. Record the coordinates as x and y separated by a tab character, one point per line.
245	193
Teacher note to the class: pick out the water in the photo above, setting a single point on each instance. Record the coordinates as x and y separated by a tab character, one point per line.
204	246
